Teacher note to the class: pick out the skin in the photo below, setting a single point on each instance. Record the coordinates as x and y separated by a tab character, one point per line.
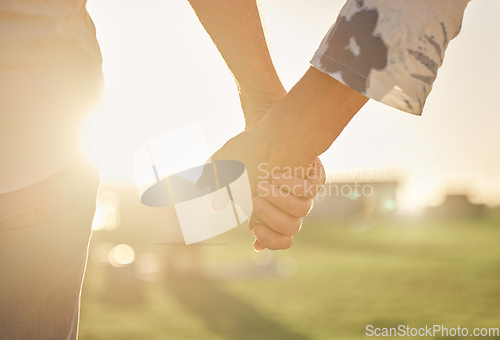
292	134
236	29
275	206
282	130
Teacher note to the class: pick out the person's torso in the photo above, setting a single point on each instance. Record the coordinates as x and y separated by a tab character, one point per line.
50	79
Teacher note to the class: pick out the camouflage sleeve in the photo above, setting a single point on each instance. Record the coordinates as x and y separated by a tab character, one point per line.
390	50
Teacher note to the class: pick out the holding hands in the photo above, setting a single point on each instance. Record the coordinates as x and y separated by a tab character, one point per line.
283	184
284	133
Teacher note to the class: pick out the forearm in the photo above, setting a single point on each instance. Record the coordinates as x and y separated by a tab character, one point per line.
236	29
316	110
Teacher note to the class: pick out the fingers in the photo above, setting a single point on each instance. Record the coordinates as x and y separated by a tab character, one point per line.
296	186
268	238
275	218
273	227
285	201
281	206
317	175
307	187
257	246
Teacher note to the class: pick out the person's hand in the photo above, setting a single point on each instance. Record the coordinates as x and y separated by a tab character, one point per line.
270	144
281	205
284	177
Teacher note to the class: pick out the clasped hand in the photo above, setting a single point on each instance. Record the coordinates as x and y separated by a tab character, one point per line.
284	177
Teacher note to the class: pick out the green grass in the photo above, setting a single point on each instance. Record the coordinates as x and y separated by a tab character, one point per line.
411	273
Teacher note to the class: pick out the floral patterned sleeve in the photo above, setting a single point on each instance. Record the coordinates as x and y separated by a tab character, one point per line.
390	50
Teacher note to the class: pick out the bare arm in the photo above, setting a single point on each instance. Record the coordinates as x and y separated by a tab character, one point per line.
311	117
293	133
236	29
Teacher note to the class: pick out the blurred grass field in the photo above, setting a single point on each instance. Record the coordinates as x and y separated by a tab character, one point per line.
331	284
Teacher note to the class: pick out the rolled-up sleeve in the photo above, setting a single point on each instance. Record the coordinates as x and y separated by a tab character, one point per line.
390	50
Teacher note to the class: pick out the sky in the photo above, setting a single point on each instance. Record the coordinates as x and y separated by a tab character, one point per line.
163	72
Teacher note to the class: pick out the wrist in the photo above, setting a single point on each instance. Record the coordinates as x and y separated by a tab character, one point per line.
261	90
257	102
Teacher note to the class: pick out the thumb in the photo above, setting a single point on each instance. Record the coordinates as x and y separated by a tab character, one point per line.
207	178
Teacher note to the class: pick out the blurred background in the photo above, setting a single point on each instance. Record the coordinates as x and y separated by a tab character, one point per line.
405	232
